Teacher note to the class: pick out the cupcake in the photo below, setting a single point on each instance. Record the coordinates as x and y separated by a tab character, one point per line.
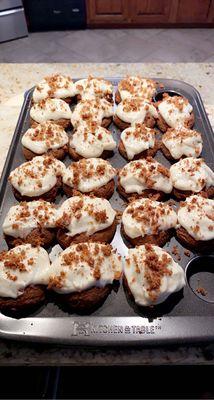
148	221
138	141
89	176
40	178
83	275
151	275
92	88
24	274
33	222
135	109
174	112
144	178
89	141
85	218
55	110
46	138
96	111
191	175
196	223
133	86
181	142
55	86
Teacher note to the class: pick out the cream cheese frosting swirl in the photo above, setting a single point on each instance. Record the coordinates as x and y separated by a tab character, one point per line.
50	109
38	176
191	174
54	86
137	176
133	86
22	218
175	110
135	109
137	139
91	141
152	275
46	136
196	215
83	266
85	214
91	111
23	266
91	88
148	217
183	142
88	174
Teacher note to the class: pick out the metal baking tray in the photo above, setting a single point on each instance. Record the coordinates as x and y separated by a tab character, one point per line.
185	317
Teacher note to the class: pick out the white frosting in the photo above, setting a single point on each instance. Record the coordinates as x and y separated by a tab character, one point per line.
23	266
84	266
138	268
135	109
50	109
183	142
147	217
57	86
191	174
36	177
143	174
175	111
22	218
88	174
91	111
91	88
89	142
85	214
196	215
137	86
137	138
44	137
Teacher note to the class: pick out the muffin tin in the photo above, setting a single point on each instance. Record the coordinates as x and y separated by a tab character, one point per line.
187	316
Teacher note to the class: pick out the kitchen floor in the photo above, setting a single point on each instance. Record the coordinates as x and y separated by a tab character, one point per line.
113	45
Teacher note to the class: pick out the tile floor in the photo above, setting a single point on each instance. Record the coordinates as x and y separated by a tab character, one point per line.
122	45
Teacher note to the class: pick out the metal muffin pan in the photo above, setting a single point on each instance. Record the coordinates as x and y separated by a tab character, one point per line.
184	317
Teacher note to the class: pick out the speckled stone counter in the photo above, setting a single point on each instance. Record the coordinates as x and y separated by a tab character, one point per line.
15	79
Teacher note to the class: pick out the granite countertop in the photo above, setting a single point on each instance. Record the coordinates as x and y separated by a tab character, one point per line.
15	79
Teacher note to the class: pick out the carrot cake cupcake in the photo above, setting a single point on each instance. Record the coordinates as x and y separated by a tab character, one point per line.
196	223
39	178
55	86
133	86
84	274
174	112
24	273
135	109
55	110
89	176
91	140
138	141
85	218
181	142
45	138
148	221
33	222
91	88
144	178
151	275
96	111
191	175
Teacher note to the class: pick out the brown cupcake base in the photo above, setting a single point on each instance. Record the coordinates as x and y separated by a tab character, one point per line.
103	236
32	297
183	194
37	237
167	153
163	126
196	245
143	154
159	240
76	157
64	123
105	191
147	193
117	97
149	121
48	196
57	153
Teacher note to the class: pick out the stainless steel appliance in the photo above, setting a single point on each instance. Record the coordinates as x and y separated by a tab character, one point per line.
12	20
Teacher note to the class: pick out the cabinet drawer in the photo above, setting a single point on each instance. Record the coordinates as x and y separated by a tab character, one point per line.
12	24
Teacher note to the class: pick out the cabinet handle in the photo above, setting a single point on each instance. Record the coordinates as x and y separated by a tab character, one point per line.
9	12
